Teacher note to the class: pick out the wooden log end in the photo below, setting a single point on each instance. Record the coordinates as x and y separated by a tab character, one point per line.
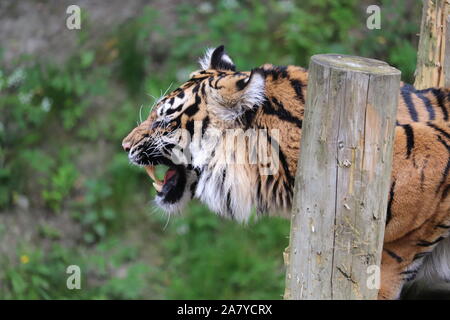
356	64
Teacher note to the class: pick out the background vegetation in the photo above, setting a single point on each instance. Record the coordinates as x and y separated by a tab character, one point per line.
67	192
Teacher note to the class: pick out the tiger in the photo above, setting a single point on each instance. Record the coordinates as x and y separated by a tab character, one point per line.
217	99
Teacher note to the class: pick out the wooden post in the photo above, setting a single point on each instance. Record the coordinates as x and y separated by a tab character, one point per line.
433	57
343	178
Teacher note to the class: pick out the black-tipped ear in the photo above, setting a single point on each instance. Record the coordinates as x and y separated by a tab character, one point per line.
217	60
254	88
249	93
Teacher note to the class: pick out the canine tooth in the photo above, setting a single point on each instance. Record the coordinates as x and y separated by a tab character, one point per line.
158	186
151	172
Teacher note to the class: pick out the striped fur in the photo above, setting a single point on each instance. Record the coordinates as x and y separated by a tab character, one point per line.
270	97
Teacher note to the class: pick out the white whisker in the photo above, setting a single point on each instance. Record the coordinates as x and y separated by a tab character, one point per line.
140	114
167	222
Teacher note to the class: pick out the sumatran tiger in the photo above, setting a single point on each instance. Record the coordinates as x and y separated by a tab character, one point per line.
187	131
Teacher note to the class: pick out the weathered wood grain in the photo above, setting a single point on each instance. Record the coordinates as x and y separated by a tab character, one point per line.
433	57
343	177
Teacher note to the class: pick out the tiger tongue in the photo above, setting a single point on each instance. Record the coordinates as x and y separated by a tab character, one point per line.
169	174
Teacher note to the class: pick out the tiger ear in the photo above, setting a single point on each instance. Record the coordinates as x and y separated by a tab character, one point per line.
217	59
253	89
246	94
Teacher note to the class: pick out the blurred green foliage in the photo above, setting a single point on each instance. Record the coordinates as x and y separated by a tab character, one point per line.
60	133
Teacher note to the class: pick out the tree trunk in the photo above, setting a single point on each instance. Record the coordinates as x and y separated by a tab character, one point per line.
433	57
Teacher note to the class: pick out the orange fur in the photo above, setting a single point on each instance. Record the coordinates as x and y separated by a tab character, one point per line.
419	209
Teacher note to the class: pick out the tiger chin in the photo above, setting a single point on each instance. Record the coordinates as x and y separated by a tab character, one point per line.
194	132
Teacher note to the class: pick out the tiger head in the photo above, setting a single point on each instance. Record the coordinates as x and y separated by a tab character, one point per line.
220	135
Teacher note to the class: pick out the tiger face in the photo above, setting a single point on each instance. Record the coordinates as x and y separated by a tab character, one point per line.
185	131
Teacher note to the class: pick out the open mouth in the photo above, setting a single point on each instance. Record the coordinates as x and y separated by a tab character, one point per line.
172	186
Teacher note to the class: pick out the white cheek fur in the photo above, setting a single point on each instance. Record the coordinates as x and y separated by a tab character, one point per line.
224	188
253	95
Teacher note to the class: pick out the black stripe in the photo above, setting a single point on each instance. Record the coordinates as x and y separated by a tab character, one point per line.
422	173
229	203
447	167
445	192
280	112
258	195
195	89
205	125
285	114
440	100
409	139
190	127
406	94
283	161
283	71
420	255
298	85
276	72
193	108
389	208
443	142
261	205
181	94
247	118
272	72
192	81
440	130
193	187
177	109
241	84
289	191
216	85
275	189
202	90
393	255
410	277
408	272
424	243
443	226
428	105
269	179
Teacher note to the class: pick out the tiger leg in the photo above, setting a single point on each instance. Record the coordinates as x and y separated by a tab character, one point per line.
400	263
391	283
402	258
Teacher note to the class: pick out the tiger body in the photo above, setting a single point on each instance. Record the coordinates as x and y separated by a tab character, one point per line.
219	98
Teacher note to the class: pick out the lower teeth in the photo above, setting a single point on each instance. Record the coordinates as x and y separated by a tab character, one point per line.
157	186
157	183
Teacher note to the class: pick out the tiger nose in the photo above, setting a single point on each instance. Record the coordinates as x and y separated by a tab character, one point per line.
126	146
